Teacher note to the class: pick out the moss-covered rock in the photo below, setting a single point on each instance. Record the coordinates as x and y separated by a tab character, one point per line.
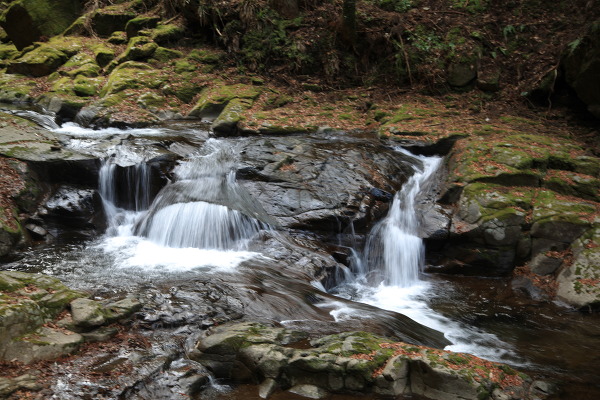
579	282
138	23
168	33
183	66
107	20
15	88
26	21
26	302
40	62
352	362
139	48
7	53
81	64
185	89
165	55
118	37
213	100
85	87
132	75
103	54
573	184
206	56
151	101
228	120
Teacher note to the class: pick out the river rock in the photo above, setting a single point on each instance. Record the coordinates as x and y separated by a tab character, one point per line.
43	344
352	362
74	207
109	19
45	156
87	313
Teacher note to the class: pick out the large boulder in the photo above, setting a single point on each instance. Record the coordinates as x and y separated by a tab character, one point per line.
315	182
581	67
502	217
352	362
27	21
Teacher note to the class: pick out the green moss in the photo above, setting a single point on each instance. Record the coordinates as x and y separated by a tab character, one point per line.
163	54
38	62
85	87
213	100
151	101
118	37
549	207
167	33
132	75
49	18
136	24
8	51
182	66
206	56
103	54
81	64
457	359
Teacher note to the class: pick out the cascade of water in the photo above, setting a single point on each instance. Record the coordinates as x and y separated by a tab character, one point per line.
134	179
205	207
394	249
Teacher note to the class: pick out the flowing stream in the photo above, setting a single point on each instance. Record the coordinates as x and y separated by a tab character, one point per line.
388	272
203	226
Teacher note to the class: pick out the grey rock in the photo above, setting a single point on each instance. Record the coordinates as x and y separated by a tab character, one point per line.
542	264
99	335
267	387
43	344
309	391
87	313
23	382
323	181
122	308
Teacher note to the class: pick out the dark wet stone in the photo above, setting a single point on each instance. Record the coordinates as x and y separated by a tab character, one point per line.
75	208
322	183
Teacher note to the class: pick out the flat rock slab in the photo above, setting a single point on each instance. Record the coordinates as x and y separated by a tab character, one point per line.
44	344
24	140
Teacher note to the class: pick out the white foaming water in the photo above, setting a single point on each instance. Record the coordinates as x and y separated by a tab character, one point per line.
394	247
200	224
134	252
387	276
176	233
74	130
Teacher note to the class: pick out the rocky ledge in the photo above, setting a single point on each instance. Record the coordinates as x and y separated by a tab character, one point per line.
42	319
354	362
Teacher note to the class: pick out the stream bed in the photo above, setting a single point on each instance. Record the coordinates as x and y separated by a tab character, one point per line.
225	237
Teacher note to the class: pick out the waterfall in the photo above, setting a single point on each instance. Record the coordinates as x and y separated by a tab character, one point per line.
202	225
126	187
394	251
204	207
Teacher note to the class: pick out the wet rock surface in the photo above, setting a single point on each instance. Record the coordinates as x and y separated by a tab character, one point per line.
325	182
